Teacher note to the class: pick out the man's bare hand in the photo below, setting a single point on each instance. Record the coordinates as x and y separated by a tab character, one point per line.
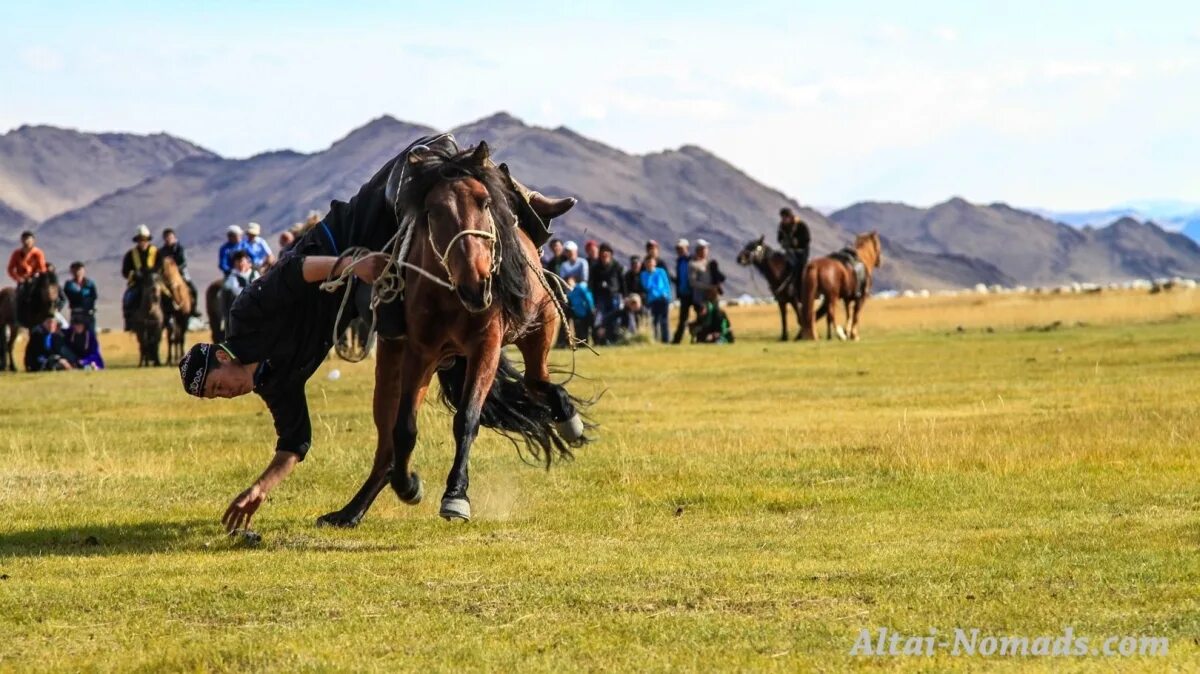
238	514
371	267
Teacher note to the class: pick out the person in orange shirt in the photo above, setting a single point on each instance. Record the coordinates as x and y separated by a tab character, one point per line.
27	261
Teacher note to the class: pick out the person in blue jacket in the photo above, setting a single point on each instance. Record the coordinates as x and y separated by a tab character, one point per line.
81	293
258	248
233	244
583	308
683	287
656	285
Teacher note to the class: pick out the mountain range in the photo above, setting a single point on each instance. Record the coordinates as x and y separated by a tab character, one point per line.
85	193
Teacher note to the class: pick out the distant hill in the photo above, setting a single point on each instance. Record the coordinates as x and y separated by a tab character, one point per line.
12	222
46	170
1027	247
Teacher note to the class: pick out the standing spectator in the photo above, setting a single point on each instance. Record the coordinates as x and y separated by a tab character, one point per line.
143	258
81	293
793	237
571	266
173	249
583	308
704	276
591	251
652	251
47	349
683	287
658	297
82	342
260	252
553	256
233	243
25	263
606	279
633	278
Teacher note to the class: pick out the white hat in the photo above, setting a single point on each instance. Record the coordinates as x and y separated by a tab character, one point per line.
571	245
683	242
143	232
234	229
253	228
701	243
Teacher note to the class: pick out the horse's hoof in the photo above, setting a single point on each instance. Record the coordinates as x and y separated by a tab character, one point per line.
841	334
414	495
571	430
455	509
338	519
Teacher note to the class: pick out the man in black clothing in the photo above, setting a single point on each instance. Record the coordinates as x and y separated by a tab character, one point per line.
280	330
173	249
607	281
794	239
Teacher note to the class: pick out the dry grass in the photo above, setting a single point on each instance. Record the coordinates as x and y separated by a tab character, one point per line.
746	507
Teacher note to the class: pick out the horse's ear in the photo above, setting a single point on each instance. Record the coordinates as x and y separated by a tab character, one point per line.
762	239
392	186
481	154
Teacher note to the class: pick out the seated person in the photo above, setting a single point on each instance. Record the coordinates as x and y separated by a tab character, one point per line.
621	325
47	349
712	324
82	342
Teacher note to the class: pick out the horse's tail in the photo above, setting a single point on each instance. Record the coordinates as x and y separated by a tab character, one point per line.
809	299
509	409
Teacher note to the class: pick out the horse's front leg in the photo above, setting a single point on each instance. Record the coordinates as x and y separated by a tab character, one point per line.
481	372
854	318
783	307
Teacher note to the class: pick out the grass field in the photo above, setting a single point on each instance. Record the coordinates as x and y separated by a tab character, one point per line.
745	507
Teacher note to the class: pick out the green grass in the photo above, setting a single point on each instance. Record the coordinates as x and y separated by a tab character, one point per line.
745	507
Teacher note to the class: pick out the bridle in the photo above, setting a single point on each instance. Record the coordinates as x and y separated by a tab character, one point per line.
443	254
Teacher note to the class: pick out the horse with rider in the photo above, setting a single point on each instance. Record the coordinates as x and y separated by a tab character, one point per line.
36	297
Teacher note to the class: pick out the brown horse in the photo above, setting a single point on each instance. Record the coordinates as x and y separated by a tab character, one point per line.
176	309
774	266
147	318
835	280
38	306
476	286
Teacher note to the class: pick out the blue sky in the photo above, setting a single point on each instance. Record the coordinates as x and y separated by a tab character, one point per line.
1053	104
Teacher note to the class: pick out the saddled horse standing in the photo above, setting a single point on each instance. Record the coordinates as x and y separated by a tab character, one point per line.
38	305
176	309
471	285
775	267
845	275
147	318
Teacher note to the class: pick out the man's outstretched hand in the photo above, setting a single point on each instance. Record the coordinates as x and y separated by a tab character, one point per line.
371	267
238	514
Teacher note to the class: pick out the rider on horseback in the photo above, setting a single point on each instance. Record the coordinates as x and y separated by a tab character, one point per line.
794	239
24	265
143	258
173	249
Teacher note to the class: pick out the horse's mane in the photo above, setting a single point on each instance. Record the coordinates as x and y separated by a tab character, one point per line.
174	281
445	162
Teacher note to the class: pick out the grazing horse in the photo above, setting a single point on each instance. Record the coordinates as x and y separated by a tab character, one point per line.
214	306
774	266
834	279
471	285
39	304
147	318
176	309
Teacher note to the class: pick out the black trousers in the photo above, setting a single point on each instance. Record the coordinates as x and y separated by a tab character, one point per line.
685	309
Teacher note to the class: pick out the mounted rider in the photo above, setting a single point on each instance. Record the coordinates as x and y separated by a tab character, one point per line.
171	248
233	243
143	258
24	265
794	239
281	326
258	248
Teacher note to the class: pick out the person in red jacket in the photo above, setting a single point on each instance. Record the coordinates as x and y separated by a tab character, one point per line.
24	264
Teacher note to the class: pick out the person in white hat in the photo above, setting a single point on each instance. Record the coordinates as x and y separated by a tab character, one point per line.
573	266
141	259
233	243
258	248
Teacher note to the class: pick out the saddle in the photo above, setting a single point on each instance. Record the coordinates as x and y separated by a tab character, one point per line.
849	257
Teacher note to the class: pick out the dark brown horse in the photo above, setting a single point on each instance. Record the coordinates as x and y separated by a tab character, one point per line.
176	309
147	318
39	305
479	287
774	266
214	307
833	279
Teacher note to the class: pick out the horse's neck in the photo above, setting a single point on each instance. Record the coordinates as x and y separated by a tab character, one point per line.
866	255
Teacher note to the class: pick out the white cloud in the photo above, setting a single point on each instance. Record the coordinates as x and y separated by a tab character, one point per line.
42	60
946	34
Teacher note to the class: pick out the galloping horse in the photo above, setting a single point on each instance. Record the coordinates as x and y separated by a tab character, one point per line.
147	319
774	266
39	305
472	284
834	279
176	308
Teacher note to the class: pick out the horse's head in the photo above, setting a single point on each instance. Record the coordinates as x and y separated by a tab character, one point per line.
870	251
752	252
48	288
